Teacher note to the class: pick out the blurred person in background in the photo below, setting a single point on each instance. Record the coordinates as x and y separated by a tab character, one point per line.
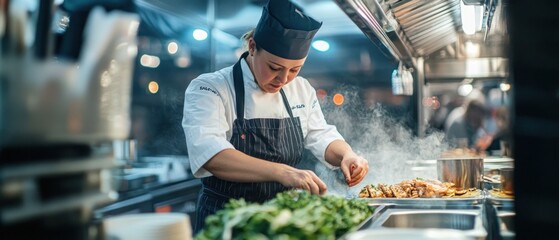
470	128
246	125
458	112
503	133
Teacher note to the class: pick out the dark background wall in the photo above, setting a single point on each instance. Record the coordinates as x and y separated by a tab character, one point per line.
534	51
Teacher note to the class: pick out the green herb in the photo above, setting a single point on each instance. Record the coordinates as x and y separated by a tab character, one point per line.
290	215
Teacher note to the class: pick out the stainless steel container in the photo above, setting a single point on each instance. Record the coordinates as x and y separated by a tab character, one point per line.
54	101
126	150
507	180
464	172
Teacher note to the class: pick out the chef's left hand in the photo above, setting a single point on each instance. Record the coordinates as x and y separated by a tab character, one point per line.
354	168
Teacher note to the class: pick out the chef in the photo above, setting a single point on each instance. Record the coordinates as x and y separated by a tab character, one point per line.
247	125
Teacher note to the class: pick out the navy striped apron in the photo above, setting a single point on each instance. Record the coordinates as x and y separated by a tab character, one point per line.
276	140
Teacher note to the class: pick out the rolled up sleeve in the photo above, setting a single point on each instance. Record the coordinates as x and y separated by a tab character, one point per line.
205	125
320	134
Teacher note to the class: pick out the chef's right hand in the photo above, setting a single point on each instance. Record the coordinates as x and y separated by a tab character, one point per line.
302	179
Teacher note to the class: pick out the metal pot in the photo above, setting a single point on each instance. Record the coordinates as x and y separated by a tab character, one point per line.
507	180
463	172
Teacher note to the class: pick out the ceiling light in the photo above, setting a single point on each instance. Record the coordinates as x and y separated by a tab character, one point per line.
182	61
149	61
471	17
338	99
172	47
321	45
200	34
153	87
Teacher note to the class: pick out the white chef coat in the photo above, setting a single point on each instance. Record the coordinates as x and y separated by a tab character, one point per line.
209	112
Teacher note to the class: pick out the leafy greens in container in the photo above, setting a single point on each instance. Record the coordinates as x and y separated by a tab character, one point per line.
290	215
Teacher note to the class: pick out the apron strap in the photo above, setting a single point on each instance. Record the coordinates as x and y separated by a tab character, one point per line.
286	104
239	87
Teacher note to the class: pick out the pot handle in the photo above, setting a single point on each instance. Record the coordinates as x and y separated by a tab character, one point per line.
490	180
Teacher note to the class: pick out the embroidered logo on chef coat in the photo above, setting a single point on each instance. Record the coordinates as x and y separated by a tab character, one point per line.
298	106
314	103
208	89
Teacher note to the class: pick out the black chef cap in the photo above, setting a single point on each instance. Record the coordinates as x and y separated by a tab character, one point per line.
284	30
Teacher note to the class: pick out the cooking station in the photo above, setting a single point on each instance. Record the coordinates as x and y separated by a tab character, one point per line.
487	215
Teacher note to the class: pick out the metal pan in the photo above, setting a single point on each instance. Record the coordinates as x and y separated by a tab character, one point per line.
430	202
502	202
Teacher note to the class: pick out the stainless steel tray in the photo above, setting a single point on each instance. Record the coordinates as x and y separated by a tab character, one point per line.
365	223
384	210
494	199
429	202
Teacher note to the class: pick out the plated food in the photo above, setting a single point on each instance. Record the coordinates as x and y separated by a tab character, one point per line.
416	188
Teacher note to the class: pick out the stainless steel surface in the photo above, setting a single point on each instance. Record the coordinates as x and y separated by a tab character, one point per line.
507	180
473	2
463	172
490	180
496	20
469	221
419	86
85	201
407	234
419	28
87	101
498	160
61	166
460	221
370	17
36	190
506	224
432	29
429	202
492	170
466	68
491	183
126	150
427	26
365	223
500	202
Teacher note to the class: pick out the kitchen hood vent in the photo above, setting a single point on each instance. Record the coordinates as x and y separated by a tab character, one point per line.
370	17
408	28
458	69
427	25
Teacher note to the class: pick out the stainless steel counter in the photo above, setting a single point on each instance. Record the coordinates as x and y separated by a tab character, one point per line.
482	217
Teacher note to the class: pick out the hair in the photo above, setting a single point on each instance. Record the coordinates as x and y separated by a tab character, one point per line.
248	35
475	113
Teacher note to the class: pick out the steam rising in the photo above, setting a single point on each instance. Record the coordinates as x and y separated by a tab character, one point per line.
390	147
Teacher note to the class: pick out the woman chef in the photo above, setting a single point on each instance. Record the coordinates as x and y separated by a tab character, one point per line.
246	125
